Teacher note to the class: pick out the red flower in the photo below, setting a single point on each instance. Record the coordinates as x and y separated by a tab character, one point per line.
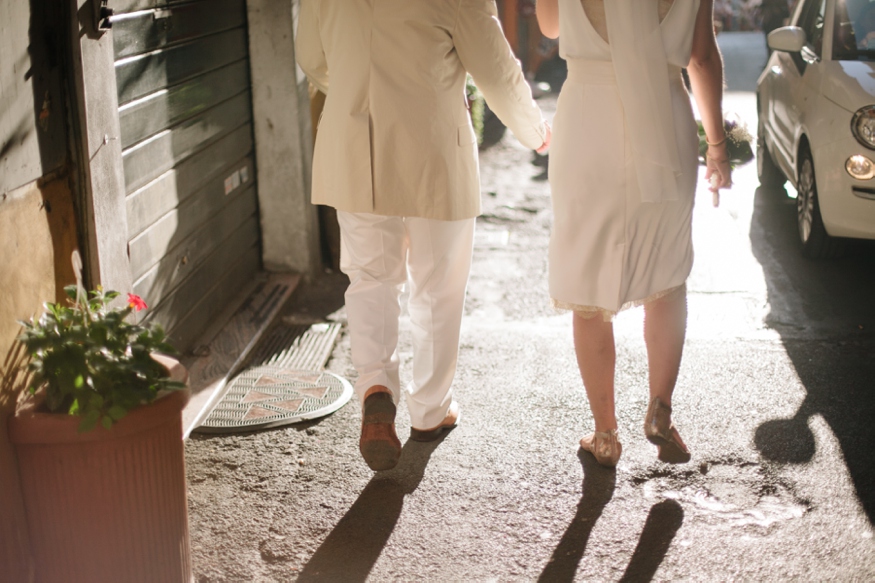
136	302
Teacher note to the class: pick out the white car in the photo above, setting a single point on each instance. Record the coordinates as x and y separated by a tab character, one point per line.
816	110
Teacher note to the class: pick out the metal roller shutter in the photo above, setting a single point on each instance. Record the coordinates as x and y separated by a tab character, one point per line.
182	70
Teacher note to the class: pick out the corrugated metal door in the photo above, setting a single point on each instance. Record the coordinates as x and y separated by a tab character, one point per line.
185	109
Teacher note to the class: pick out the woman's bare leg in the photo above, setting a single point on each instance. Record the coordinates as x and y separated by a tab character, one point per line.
665	324
596	358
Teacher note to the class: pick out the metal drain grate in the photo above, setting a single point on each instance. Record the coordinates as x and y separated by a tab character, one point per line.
299	347
268	396
286	383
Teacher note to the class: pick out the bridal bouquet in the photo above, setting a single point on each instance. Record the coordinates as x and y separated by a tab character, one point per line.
738	142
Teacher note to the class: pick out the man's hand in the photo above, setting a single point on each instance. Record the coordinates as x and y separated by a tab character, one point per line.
546	145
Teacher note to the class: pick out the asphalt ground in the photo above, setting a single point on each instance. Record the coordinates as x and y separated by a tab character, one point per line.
775	399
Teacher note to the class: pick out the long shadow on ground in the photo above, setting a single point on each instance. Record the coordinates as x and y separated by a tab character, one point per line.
598	489
663	522
836	365
351	549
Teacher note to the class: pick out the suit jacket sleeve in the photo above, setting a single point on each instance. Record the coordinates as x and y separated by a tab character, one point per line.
487	56
308	46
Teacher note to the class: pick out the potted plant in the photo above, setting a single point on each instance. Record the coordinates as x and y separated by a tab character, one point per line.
99	444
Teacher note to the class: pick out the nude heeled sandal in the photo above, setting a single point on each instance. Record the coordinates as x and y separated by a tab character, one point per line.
661	432
604	446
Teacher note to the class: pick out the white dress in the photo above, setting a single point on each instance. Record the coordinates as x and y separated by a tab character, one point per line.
623	161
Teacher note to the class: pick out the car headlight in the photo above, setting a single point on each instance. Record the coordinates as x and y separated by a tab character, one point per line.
863	126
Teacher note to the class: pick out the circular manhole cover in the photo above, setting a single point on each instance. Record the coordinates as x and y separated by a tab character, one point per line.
268	396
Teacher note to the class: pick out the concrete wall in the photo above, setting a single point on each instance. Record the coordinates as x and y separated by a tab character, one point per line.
283	140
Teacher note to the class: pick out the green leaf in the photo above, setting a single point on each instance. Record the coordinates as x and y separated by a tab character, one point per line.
106	422
89	422
116	412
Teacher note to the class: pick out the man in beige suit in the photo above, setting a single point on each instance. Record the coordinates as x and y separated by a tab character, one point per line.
396	155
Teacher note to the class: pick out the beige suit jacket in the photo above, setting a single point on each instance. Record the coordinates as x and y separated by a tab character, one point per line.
395	137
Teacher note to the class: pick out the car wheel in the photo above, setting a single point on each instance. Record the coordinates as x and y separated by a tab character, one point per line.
816	242
767	171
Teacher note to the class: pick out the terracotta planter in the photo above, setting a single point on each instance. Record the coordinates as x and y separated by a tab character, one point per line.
106	505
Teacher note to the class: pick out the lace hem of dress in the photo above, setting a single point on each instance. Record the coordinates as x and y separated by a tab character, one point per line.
609	315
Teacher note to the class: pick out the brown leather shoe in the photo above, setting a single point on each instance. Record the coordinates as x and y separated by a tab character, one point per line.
450	421
379	443
661	432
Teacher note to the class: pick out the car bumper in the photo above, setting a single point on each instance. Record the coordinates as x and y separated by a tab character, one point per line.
847	205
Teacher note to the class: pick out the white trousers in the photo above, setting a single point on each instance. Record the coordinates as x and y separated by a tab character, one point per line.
380	254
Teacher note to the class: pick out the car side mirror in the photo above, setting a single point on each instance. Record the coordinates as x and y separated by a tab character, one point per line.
787	38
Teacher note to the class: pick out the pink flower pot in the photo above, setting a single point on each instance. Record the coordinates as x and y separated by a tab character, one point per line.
106	505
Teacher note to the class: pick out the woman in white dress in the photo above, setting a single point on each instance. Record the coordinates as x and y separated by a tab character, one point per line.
623	172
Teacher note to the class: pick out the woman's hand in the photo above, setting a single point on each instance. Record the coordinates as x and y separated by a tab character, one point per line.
718	172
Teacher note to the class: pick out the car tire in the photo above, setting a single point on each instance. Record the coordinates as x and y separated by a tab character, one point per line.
816	242
767	171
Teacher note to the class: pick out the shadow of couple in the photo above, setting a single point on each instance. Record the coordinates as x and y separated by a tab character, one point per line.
354	545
